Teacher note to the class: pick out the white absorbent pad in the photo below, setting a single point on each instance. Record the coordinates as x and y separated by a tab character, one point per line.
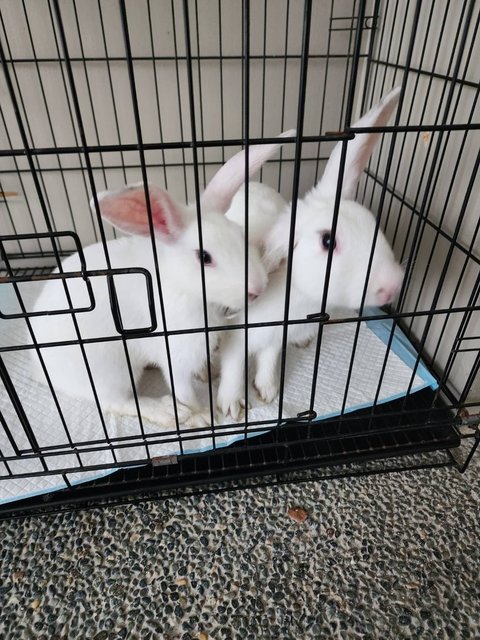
84	426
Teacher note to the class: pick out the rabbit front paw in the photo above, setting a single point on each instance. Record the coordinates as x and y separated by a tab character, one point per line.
165	414
266	391
199	419
233	407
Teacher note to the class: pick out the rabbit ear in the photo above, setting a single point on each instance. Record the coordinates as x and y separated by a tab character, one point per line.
359	151
127	210
229	178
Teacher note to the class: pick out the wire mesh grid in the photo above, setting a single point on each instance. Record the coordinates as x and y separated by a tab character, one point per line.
100	94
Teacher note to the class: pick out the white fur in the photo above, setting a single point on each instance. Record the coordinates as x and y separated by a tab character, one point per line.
354	241
177	243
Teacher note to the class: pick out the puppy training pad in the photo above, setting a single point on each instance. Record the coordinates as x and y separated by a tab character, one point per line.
365	383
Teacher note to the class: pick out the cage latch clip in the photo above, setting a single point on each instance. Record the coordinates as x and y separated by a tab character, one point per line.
321	317
163	461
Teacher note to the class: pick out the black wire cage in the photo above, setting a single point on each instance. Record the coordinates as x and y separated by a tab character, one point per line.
99	94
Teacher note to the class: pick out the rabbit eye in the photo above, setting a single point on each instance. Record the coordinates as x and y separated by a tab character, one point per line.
204	257
326	238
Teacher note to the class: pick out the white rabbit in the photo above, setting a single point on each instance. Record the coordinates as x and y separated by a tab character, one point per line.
179	258
313	236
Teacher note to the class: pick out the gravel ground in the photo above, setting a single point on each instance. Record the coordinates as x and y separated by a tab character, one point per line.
392	556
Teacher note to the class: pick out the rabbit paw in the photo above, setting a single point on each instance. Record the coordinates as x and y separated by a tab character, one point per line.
266	392
163	412
232	407
199	419
193	417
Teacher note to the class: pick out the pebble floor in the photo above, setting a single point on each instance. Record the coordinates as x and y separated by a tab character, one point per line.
392	556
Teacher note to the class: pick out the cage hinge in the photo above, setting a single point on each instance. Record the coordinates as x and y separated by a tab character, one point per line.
340	135
163	461
370	22
307	415
321	317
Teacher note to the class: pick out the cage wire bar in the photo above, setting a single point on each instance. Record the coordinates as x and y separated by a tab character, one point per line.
102	93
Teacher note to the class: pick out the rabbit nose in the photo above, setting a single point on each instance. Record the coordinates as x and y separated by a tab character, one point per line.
254	290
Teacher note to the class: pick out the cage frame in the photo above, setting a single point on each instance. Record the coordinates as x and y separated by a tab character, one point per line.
464	428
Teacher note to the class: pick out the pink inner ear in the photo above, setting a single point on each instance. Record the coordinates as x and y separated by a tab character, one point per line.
127	210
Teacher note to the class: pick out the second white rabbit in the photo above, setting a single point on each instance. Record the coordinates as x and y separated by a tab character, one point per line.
353	245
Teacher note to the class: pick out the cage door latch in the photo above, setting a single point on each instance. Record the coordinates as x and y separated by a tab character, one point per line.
163	461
